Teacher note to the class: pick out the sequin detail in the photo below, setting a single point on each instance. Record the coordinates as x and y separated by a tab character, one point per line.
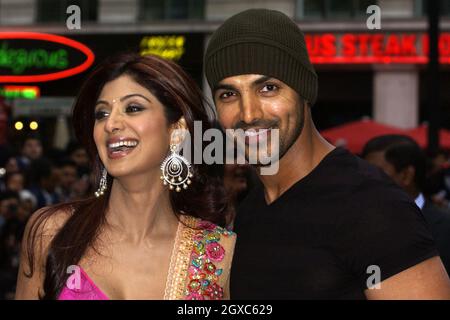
203	272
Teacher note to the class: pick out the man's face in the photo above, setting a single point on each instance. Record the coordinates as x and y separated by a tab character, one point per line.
68	176
15	182
259	102
8	207
80	157
32	149
49	183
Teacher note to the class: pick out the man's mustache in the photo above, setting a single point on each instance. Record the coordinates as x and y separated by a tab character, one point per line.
255	124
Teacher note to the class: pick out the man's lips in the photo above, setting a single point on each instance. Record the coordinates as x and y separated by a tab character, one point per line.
256	132
256	135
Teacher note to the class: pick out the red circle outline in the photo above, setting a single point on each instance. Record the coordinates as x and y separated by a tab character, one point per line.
50	38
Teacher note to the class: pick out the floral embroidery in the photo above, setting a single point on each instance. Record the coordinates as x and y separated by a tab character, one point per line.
215	251
203	273
214	292
195	296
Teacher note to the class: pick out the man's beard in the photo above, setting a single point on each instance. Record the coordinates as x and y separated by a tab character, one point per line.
285	142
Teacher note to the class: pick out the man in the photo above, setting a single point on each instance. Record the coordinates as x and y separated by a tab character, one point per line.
68	177
43	178
31	150
439	178
326	225
401	158
10	235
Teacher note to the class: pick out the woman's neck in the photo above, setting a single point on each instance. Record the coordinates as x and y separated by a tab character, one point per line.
140	209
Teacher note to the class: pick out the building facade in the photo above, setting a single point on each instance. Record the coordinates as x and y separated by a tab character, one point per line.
378	73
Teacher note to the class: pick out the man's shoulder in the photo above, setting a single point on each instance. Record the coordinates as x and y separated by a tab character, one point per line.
351	168
341	175
353	178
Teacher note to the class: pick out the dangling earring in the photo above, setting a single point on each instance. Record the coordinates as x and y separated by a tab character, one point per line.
176	170
103	184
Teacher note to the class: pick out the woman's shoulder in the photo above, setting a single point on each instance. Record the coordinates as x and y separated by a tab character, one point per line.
209	258
41	228
209	231
48	220
209	239
214	233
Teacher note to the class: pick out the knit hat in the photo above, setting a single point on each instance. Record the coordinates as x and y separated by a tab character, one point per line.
261	41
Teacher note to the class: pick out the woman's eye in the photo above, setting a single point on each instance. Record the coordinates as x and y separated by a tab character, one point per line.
132	108
100	115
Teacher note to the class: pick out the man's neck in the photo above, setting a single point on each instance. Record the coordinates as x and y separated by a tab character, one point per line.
302	157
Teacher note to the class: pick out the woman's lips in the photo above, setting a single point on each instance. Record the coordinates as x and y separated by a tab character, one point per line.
114	153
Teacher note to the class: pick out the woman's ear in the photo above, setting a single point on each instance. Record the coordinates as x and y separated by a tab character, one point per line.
178	131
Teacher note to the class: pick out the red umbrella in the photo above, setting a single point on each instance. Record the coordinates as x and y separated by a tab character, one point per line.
420	134
354	135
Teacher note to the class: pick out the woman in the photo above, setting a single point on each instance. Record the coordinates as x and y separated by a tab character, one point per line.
137	239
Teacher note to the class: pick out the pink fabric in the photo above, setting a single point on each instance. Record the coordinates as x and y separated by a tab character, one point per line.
87	290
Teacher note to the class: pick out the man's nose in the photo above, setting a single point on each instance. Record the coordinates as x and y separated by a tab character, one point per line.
251	110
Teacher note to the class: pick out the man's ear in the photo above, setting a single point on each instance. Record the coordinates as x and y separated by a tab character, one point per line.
178	131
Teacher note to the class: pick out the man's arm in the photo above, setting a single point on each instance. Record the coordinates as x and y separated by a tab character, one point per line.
427	280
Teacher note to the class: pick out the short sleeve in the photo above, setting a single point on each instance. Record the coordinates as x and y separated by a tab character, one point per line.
386	231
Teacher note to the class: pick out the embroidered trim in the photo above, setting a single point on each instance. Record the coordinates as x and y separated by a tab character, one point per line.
179	264
193	274
203	272
168	291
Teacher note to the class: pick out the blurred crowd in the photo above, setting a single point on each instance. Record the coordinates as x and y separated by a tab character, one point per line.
31	178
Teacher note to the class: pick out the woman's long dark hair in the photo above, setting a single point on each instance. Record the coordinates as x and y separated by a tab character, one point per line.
205	198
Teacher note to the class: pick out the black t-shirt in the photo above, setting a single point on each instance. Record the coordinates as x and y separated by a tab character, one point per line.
320	237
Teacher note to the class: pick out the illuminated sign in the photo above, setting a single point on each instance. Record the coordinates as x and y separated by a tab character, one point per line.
25	92
374	48
38	57
186	47
169	47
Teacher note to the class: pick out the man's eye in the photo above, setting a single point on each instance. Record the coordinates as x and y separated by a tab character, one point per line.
100	115
132	108
226	95
269	87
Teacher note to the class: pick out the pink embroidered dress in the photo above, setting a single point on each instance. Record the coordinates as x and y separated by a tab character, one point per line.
199	267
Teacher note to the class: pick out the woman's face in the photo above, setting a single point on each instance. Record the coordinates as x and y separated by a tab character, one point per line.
131	131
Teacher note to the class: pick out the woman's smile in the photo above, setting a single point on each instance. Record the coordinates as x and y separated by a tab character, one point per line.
119	147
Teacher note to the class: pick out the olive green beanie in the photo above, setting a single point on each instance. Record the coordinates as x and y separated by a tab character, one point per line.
261	41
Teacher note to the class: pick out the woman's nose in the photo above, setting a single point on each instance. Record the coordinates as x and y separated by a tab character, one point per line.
114	122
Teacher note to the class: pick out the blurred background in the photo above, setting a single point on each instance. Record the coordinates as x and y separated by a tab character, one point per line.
371	83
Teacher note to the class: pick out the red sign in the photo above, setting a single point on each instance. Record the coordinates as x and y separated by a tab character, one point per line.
371	48
17	57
